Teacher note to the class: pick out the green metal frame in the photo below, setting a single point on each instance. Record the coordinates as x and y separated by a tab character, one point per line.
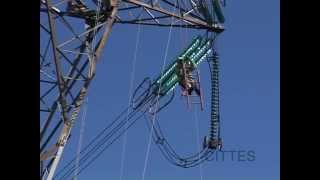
196	52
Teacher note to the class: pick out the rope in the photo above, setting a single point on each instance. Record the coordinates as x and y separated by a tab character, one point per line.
100	143
129	102
92	141
198	139
157	99
95	157
85	108
81	137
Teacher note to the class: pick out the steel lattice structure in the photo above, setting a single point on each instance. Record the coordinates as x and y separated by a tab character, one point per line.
70	46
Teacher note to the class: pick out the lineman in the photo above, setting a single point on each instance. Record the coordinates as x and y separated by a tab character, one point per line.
184	70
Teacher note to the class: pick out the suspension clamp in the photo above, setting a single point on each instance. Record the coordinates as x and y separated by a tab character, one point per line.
212	143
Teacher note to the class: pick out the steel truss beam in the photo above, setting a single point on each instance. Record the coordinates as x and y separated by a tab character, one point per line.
145	12
171	9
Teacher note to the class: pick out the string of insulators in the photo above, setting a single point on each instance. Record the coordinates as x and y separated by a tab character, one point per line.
215	119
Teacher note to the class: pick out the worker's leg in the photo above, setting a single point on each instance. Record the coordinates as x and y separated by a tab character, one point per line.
197	91
190	90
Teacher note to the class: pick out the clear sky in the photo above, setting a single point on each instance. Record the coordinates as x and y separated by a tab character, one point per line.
250	117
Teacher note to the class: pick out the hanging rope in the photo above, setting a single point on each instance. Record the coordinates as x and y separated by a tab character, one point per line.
82	126
100	142
91	66
198	139
157	98
130	99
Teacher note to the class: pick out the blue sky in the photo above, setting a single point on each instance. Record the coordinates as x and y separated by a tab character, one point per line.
249	77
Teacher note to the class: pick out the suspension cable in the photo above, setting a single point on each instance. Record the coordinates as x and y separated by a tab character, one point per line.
94	154
130	99
105	139
82	126
157	98
98	143
198	138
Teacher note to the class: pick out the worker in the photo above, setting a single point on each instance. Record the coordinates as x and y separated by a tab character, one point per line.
184	70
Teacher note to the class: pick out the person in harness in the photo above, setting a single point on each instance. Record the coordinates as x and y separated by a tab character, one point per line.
184	70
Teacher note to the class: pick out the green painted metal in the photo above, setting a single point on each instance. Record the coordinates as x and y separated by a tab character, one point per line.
201	51
195	44
170	69
196	53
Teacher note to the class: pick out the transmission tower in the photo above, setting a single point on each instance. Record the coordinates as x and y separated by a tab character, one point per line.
73	34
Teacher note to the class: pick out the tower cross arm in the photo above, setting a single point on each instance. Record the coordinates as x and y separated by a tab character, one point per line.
191	20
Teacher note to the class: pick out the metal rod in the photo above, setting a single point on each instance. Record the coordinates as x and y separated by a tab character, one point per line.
187	18
162	25
56	60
